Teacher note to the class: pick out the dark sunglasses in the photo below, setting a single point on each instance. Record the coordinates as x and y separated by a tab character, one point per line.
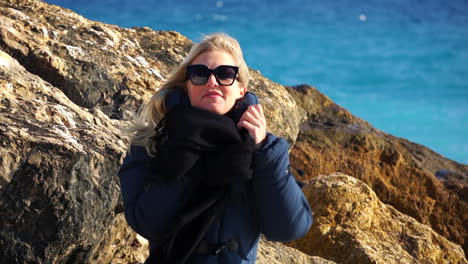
199	74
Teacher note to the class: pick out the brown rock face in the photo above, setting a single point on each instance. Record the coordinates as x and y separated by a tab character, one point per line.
64	80
120	245
114	69
94	64
351	225
402	173
276	253
58	192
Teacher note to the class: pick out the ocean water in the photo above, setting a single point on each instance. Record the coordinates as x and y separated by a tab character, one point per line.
402	65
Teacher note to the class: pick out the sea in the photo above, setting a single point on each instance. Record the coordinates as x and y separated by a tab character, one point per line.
401	65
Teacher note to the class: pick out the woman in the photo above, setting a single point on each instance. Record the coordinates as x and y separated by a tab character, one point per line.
203	179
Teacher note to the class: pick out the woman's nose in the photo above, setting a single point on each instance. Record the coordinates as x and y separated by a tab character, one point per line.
212	81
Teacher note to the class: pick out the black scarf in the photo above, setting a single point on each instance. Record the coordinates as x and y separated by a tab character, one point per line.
211	149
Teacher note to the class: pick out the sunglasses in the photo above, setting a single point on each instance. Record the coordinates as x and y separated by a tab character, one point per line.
199	74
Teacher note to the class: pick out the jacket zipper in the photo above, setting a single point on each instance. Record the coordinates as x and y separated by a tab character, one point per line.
218	239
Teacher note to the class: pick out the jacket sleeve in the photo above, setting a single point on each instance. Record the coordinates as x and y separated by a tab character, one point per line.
282	211
148	210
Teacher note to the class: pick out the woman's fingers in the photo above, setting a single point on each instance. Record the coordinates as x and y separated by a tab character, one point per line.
254	115
254	121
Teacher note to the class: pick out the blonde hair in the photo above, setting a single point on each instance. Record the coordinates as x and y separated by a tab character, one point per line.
142	128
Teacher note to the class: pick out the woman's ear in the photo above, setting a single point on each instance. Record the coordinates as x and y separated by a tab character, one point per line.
242	91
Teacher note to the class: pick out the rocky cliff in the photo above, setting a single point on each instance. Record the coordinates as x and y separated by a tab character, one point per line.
353	226
67	84
411	177
106	67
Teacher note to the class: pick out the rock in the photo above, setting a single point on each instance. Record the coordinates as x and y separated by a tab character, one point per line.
94	64
66	83
402	173
59	161
455	181
110	68
351	225
120	245
268	253
281	111
277	253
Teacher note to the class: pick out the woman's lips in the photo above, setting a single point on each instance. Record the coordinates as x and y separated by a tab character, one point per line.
212	94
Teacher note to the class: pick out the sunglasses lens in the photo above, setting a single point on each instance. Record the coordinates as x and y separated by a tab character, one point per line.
199	74
225	75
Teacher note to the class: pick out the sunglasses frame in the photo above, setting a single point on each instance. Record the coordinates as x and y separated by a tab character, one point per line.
190	67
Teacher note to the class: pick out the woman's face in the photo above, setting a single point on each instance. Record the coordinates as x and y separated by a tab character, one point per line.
212	96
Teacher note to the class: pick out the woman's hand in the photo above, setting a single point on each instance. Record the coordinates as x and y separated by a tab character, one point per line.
254	121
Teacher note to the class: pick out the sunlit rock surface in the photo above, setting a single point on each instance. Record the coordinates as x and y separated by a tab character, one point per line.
408	176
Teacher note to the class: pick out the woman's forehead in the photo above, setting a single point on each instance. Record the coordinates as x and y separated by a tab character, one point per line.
213	58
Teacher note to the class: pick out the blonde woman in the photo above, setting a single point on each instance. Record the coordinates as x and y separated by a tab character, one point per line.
203	179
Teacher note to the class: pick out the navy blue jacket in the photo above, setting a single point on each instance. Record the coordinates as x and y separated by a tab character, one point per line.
272	204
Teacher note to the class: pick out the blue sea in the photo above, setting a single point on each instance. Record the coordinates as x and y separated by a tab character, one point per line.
402	65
